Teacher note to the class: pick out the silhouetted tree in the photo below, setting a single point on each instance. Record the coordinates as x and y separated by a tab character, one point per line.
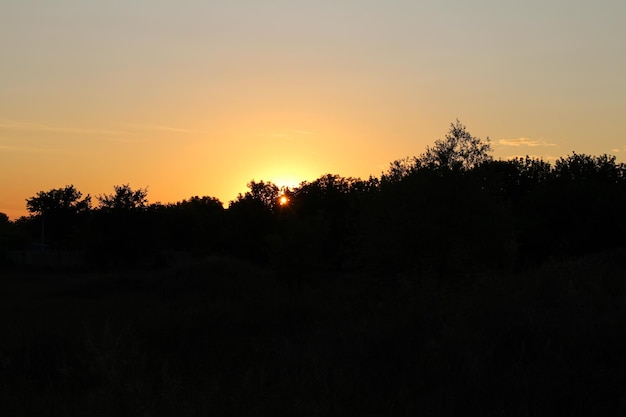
251	217
5	224
458	151
316	230
533	171
67	200
583	204
264	193
195	224
573	208
437	214
4	221
122	233
509	180
582	167
444	226
58	211
124	198
399	169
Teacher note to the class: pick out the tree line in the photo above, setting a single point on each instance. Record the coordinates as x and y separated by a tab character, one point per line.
452	211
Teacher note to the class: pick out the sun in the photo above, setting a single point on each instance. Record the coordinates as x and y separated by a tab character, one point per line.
283	200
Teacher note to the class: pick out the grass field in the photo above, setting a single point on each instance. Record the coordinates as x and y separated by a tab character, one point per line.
224	338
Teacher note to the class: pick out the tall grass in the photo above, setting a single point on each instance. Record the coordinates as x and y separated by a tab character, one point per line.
222	337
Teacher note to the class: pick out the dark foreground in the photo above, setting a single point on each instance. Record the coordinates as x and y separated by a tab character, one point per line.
223	338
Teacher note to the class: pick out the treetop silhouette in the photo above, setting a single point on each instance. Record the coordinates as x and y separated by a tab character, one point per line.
66	199
124	199
453	210
459	150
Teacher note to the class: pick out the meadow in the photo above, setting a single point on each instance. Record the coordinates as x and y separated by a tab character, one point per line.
220	336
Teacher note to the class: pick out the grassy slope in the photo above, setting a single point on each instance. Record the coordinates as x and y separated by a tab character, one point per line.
225	338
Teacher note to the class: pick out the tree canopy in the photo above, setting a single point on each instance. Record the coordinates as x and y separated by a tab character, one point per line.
488	213
459	150
66	199
124	199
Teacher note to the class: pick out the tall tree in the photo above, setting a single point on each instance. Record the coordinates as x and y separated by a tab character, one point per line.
67	199
58	210
262	193
459	150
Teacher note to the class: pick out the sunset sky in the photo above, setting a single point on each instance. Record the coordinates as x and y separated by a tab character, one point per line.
199	97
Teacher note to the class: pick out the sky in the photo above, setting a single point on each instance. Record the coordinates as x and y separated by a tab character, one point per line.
193	98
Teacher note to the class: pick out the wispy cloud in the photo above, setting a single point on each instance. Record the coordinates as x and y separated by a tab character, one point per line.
13	148
34	146
22	126
139	126
524	142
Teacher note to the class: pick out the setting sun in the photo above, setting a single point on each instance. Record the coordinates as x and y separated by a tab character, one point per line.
283	200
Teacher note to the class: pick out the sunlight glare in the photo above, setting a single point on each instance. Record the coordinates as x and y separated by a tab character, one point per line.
286	182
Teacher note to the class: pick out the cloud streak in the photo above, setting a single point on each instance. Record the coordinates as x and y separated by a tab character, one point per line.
21	126
10	148
524	142
12	145
139	126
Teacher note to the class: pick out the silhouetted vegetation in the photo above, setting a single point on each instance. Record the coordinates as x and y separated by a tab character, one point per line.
452	211
453	284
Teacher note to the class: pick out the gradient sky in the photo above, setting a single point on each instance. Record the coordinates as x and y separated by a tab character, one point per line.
199	97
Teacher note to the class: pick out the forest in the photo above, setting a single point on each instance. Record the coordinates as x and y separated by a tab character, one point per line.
452	284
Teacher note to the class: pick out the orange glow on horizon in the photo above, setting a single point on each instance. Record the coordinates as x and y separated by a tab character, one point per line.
286	99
